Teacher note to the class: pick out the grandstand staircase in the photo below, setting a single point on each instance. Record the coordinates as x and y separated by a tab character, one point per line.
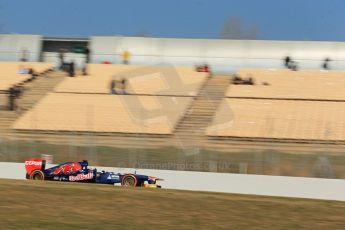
34	91
191	128
6	119
38	89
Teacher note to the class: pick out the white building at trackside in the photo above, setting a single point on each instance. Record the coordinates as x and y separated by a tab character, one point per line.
221	55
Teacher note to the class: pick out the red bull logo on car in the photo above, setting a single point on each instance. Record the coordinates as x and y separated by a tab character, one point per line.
81	177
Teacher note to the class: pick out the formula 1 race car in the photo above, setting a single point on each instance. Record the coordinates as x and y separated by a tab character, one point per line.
80	172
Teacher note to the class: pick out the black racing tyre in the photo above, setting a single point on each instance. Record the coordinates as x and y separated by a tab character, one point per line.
129	181
37	175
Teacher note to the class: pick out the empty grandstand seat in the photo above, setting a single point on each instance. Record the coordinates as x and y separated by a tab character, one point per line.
9	72
279	119
104	113
146	80
305	84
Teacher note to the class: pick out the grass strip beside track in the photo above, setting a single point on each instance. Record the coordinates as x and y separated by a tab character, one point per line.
58	205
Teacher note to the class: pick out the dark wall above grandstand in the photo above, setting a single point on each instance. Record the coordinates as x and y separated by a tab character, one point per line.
76	45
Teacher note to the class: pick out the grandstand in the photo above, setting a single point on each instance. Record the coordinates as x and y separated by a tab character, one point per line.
9	72
304	105
83	104
104	114
173	105
286	84
279	110
144	80
9	76
32	88
156	98
280	119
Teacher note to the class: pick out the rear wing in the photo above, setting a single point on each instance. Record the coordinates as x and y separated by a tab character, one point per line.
34	164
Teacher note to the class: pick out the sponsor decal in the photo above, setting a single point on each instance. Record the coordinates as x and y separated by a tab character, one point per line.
68	168
81	177
59	178
36	163
115	177
111	176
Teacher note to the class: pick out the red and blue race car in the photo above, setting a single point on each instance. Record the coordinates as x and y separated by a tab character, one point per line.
80	172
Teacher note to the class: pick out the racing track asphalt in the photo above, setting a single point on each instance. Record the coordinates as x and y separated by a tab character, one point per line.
300	187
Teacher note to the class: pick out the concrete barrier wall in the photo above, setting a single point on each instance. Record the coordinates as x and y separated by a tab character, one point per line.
12	45
314	188
222	55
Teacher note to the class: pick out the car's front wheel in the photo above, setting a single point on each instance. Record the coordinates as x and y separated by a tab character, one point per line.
129	181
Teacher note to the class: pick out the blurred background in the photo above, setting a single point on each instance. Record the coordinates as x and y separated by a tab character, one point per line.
173	112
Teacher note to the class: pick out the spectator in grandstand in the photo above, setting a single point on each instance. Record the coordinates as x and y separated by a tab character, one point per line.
87	55
290	64
293	66
84	70
112	86
125	57
237	80
71	69
24	56
13	93
207	68
248	81
11	98
203	68
31	71
23	70
62	58
123	85
87	60
287	61
33	74
325	64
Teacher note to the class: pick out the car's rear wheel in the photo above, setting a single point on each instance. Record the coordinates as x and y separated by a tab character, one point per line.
37	175
129	181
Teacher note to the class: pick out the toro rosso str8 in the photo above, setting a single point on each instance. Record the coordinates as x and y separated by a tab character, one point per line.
80	172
